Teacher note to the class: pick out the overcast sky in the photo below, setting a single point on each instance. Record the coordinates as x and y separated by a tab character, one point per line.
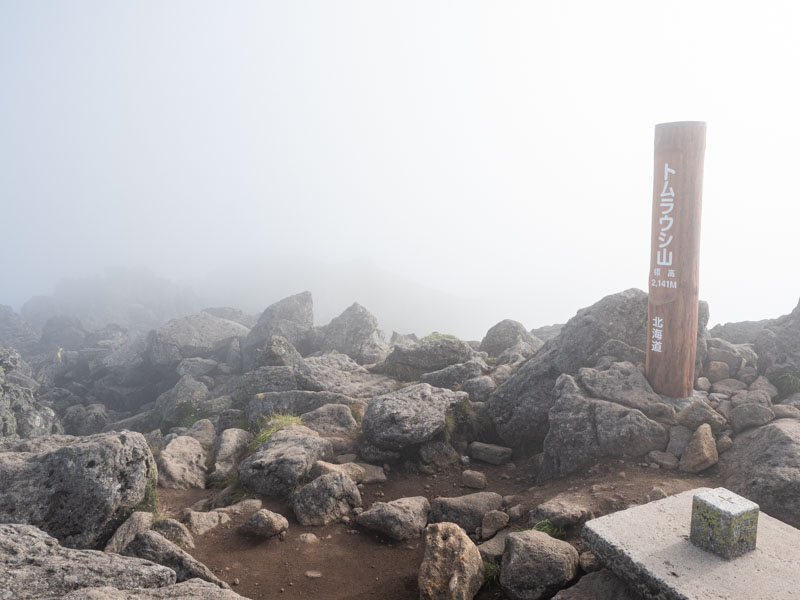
500	152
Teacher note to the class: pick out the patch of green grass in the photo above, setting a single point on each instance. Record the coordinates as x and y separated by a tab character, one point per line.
546	526
438	336
240	494
787	382
491	573
149	502
357	410
231	480
188	415
272	424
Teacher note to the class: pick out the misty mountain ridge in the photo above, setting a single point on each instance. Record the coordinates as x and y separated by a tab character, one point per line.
139	300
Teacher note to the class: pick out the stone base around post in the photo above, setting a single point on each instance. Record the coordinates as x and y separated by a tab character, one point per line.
724	523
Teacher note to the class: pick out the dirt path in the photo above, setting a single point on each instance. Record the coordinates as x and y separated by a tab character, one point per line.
356	564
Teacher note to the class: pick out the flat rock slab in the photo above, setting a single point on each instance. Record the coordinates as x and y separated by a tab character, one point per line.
648	546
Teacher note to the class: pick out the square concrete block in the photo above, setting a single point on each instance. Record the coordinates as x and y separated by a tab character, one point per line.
724	523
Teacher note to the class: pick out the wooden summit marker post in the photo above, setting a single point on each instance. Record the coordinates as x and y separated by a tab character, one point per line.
674	258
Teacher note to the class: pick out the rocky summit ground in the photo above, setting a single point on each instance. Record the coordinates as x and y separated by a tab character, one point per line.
352	562
226	455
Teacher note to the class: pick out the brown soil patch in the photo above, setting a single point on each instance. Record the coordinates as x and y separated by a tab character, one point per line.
358	565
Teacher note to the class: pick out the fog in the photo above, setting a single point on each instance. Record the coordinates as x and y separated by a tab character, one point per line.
445	164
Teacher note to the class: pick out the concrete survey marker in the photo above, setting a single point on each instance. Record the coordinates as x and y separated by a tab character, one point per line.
724	523
649	547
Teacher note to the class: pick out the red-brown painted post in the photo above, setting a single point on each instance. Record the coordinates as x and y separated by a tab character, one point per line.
675	257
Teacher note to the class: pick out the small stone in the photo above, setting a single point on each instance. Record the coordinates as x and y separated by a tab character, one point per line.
589	562
785	411
717	371
663	459
703	384
308	538
560	511
490	453
515	513
313	574
202	522
701	452
264	524
749	415
473	479
493	521
724	443
679	437
248	506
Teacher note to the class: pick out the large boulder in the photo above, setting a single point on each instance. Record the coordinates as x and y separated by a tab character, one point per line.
278	465
466	511
409	416
276	352
331	419
291	318
699	412
154	547
701	452
744	416
295	402
15	332
230	448
175	531
624	384
78	489
85	420
764	466
408	363
21	415
233	314
453	376
505	335
536	565
125	381
62	332
740	332
34	565
778	344
242	388
520	406
182	403
584	430
194	589
734	356
139	521
355	333
598	585
196	367
451	567
182	464
401	519
340	374
326	499
188	337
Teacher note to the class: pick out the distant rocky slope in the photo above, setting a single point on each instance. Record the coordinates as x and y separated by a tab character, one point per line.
278	406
